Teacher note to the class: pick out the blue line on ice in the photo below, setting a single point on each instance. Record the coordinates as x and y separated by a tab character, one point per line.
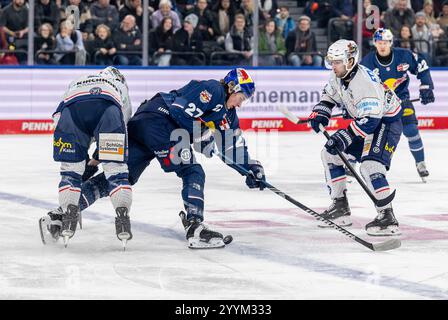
305	263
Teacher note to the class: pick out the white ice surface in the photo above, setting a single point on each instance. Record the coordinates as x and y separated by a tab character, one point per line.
278	251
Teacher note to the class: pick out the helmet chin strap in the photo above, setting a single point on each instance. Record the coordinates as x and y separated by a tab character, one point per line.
348	70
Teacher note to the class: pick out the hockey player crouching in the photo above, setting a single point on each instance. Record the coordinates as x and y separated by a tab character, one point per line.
371	138
204	107
94	107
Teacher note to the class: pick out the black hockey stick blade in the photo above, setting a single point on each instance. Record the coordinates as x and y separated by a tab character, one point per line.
385	201
387	245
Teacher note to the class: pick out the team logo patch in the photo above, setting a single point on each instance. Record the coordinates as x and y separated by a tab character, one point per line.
185	155
205	96
376	150
408	112
95	90
63	146
402	67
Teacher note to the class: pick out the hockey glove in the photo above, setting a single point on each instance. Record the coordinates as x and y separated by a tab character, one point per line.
255	176
321	115
426	94
340	140
89	171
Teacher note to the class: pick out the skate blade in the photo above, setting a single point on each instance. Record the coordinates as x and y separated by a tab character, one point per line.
341	221
66	239
214	243
389	231
123	243
423	179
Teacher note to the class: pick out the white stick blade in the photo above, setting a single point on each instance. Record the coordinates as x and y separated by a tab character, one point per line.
387	245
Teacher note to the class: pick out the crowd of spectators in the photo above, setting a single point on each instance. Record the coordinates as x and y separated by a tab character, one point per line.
217	32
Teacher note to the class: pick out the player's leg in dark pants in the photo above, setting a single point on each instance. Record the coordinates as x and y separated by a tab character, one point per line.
411	132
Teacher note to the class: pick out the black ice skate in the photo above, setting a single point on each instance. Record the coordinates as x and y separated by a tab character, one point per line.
384	224
422	171
338	212
199	236
123	226
50	226
69	222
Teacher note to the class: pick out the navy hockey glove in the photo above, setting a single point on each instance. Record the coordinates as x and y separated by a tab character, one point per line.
255	176
321	115
340	140
426	94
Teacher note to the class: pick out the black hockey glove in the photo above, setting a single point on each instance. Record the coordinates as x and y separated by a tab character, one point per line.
340	140
255	176
89	171
426	94
321	115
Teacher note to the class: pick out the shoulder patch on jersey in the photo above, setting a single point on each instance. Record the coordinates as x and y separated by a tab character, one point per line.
402	67
205	96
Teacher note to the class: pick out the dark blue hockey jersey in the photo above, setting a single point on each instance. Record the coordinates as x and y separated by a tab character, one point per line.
204	102
395	74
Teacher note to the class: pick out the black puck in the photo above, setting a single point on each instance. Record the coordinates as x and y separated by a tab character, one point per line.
228	239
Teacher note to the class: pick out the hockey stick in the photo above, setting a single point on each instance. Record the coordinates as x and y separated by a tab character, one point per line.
291	117
377	202
382	246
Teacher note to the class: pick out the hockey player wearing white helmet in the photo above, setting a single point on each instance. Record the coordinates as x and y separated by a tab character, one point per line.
371	138
94	107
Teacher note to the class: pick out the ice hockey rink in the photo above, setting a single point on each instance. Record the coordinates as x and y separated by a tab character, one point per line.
278	251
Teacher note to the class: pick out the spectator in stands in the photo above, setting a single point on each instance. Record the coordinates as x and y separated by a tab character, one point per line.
161	41
134	8
285	24
431	22
239	41
342	28
247	9
271	45
46	11
319	10
405	40
69	41
441	54
128	41
14	20
268	8
207	26
188	39
164	11
302	41
381	4
104	13
442	20
224	14
85	20
183	6
45	41
400	15
422	36
367	30
104	49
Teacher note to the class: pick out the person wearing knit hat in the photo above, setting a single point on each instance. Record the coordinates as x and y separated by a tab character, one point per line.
192	19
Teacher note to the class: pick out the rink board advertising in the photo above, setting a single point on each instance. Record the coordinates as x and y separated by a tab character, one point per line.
30	96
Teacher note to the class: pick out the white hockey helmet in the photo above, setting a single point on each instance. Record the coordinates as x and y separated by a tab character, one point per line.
114	74
342	50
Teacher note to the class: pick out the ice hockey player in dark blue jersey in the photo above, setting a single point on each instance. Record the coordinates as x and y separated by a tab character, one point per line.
94	108
202	114
392	66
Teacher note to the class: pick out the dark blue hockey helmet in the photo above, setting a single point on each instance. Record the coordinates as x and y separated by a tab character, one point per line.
238	80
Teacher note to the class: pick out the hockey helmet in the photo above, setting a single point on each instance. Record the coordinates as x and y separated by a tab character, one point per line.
342	50
383	34
114	74
238	80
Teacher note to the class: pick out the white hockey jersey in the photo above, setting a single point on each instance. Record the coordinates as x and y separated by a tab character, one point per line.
366	99
95	86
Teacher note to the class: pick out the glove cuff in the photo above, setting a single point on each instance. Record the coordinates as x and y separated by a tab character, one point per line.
322	109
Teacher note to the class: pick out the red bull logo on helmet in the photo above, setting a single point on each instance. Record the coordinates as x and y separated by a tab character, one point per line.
243	77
